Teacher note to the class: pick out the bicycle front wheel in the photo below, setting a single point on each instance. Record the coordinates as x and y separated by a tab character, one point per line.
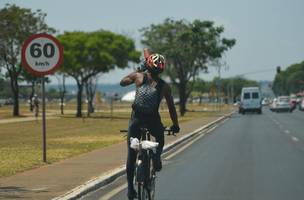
142	192
152	177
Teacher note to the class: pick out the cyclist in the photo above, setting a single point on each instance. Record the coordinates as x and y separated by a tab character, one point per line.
150	89
35	102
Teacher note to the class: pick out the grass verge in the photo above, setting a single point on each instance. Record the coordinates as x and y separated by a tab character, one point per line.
20	143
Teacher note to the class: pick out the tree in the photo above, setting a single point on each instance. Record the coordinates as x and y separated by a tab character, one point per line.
62	89
290	80
17	24
91	86
232	86
88	54
188	48
4	89
34	82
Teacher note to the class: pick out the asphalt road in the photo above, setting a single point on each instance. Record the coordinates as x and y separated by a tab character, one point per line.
249	157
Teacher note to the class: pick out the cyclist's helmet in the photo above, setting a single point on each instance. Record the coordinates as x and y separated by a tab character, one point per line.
156	63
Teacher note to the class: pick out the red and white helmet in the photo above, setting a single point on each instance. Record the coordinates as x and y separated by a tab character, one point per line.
156	63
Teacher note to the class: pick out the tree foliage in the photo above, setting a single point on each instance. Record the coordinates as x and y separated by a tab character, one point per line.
231	87
5	92
87	54
290	80
16	25
188	48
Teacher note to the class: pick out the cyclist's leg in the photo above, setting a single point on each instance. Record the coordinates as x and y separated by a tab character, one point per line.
133	131
157	130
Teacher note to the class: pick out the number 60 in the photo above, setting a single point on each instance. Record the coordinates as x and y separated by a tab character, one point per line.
48	50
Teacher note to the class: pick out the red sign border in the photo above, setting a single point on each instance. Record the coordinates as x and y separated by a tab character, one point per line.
28	67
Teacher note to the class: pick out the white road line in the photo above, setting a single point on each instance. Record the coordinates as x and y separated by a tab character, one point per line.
190	143
287	131
114	192
294	138
212	129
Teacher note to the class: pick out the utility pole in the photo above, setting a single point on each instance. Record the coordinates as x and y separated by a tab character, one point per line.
219	87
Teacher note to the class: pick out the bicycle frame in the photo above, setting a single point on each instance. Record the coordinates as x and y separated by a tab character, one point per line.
145	174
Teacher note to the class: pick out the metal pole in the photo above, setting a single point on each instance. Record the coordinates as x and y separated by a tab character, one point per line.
112	107
219	87
43	121
232	91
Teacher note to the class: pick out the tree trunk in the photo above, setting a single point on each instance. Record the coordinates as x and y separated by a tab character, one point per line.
90	93
61	104
79	99
15	91
182	98
90	106
62	95
31	96
62	91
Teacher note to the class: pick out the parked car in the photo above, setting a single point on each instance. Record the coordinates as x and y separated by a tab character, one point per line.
283	104
293	103
301	105
250	100
273	104
265	102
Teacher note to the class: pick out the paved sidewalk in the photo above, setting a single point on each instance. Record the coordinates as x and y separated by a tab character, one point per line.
28	117
53	180
25	119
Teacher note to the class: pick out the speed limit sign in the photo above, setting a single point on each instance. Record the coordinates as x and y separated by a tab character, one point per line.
41	54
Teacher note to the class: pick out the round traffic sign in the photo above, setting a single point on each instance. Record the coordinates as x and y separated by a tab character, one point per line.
41	54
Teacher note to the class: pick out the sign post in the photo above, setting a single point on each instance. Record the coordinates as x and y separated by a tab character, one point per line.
42	55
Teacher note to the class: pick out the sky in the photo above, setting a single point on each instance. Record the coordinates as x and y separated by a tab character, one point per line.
269	33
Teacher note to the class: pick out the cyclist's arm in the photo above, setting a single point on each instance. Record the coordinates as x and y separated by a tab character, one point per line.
170	103
128	80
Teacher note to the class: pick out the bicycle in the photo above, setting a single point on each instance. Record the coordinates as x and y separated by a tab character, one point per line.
145	175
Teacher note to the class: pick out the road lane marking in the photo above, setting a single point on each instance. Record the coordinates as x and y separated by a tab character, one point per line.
114	192
287	131
294	138
184	147
190	143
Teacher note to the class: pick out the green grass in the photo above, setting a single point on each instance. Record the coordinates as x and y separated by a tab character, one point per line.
21	143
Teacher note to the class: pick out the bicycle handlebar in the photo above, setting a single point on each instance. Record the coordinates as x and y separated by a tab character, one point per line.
170	132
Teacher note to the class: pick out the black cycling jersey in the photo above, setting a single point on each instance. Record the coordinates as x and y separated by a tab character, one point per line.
148	97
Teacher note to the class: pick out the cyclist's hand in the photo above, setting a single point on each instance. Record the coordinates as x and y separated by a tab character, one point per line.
175	128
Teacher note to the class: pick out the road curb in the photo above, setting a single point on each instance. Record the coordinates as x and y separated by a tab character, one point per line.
105	179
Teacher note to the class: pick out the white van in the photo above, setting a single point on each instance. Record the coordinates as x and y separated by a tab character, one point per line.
250	100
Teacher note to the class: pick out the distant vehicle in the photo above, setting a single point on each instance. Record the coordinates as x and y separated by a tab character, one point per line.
265	102
293	103
237	103
250	100
283	104
299	99
8	101
301	105
273	104
2	101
